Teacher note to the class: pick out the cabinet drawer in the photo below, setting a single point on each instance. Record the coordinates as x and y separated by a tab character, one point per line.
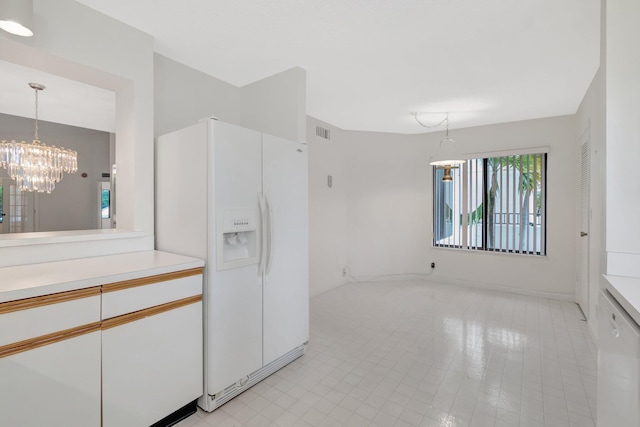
135	295
34	317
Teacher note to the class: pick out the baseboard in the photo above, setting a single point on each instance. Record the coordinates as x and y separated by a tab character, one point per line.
501	288
459	282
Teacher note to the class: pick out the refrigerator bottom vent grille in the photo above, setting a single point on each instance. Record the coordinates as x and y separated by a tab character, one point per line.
255	377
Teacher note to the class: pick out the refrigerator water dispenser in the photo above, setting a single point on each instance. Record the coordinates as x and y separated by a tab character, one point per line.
237	240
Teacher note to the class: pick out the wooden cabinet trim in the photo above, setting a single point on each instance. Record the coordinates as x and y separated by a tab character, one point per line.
40	301
151	311
148	280
31	343
61	297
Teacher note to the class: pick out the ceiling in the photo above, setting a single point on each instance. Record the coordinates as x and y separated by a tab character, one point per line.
62	101
370	63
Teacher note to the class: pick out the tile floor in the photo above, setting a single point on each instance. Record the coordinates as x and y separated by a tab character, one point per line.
396	354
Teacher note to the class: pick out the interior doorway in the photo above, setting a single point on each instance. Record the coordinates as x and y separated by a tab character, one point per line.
582	291
18	208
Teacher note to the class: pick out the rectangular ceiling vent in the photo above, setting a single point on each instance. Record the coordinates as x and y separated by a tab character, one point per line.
323	133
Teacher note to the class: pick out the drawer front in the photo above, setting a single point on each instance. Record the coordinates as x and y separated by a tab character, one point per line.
35	317
128	297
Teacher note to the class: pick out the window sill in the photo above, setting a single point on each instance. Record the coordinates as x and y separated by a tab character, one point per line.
483	252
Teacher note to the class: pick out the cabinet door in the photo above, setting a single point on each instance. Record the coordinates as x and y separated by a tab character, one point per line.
50	361
286	283
57	385
618	365
151	366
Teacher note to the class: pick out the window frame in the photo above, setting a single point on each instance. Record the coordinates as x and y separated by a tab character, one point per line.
464	241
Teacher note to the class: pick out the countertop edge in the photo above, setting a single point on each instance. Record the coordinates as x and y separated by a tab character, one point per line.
27	281
626	290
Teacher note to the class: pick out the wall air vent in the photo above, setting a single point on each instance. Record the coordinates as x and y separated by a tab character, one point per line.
323	133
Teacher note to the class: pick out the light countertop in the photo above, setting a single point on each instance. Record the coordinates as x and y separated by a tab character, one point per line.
26	281
626	290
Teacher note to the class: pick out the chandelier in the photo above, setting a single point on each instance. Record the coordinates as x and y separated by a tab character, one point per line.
35	165
447	156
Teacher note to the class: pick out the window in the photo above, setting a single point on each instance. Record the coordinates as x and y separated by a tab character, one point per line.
105	203
493	204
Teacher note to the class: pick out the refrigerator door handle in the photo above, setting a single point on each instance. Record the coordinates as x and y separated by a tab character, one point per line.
263	240
269	234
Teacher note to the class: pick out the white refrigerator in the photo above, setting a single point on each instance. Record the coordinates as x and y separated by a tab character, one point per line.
239	199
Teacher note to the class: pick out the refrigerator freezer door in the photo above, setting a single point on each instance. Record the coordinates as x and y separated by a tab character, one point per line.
234	295
286	287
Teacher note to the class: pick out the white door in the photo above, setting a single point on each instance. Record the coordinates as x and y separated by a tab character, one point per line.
286	284
18	207
582	293
234	332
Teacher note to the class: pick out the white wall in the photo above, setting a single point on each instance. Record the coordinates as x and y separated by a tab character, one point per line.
388	205
327	208
275	105
183	95
623	137
388	220
73	205
554	274
76	42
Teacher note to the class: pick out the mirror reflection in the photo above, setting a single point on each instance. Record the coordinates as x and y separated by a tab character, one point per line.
75	116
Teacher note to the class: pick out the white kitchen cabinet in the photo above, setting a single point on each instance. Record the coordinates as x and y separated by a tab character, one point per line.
113	341
50	360
618	365
151	357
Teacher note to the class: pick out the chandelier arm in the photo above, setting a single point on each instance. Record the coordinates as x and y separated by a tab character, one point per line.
447	120
415	116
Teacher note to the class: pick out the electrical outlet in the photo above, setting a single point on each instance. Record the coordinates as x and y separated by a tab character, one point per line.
344	272
433	265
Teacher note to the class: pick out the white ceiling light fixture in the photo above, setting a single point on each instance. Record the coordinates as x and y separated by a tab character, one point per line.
35	165
16	17
447	157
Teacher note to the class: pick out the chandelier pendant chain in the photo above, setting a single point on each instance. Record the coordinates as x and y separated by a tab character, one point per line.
37	87
36	136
